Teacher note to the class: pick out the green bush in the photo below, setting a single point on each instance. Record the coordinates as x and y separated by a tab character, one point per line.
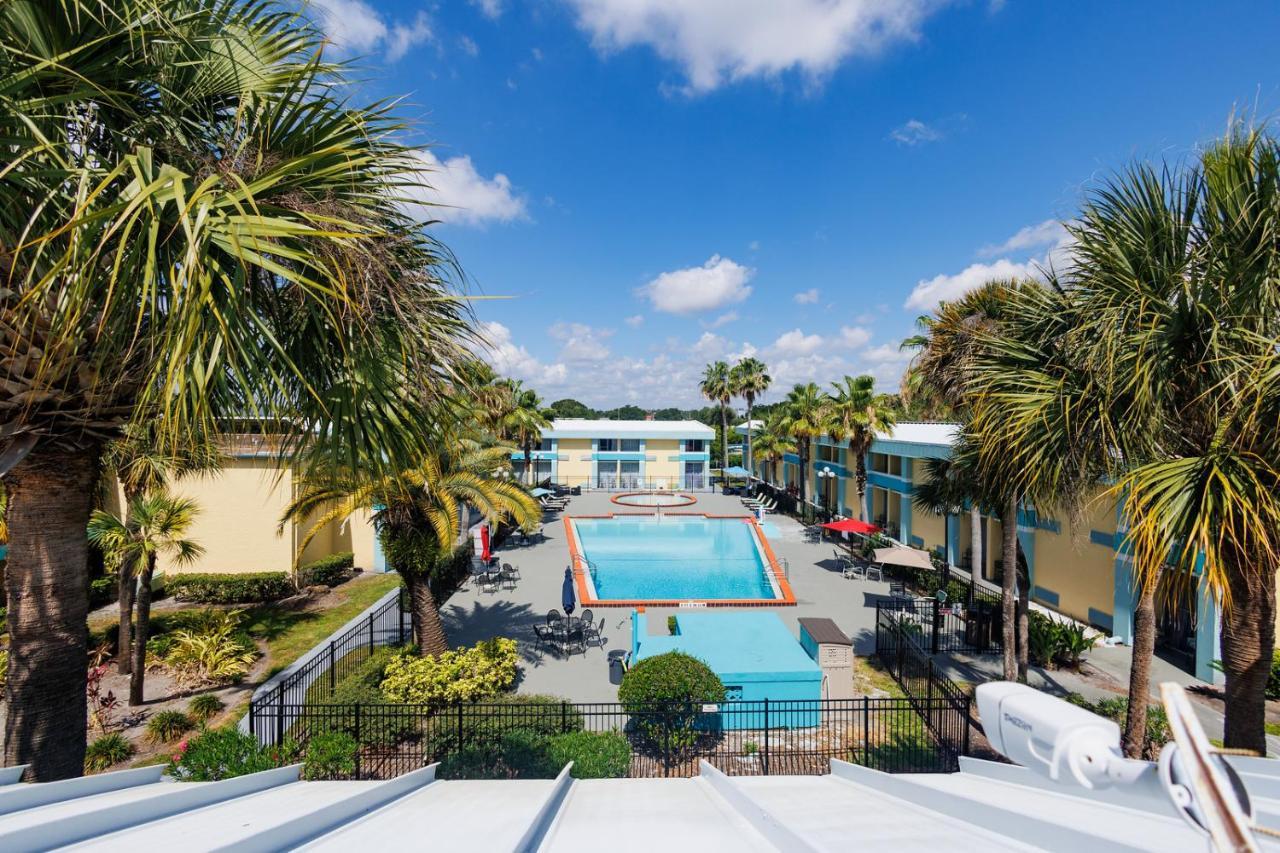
673	625
1273	680
463	675
664	695
513	755
251	587
168	726
1051	642
205	706
107	751
1117	708
102	591
489	722
327	571
385	726
595	755
330	755
216	754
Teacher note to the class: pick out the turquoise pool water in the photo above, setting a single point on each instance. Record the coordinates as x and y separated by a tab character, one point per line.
647	559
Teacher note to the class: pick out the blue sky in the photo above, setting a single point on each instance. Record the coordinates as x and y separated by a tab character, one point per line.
657	183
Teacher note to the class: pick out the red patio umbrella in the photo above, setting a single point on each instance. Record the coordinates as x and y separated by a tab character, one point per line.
851	525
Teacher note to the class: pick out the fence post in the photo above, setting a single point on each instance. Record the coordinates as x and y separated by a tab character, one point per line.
866	731
358	741
766	736
279	717
937	620
968	722
459	726
564	717
333	675
370	633
253	719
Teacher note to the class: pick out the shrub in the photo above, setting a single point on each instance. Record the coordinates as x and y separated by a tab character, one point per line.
486	724
385	727
1117	708
464	675
106	751
223	754
1072	644
595	755
673	625
214	650
251	587
168	726
678	685
330	755
205	707
327	571
1273	680
102	591
515	754
1042	638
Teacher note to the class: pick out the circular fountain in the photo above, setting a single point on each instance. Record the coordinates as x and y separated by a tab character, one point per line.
654	499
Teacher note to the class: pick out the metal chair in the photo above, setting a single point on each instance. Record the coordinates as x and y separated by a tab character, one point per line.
873	567
543	636
553	616
585	615
510	574
898	589
592	633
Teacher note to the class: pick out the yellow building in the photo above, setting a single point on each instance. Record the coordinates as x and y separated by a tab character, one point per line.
240	507
620	455
1080	571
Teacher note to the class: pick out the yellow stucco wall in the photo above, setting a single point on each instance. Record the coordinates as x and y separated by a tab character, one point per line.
1080	572
929	527
240	507
658	466
574	466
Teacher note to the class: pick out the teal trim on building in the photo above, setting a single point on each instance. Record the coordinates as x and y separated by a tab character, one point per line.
1099	537
953	539
1101	619
618	456
793	458
690	457
916	542
836	468
888	481
1045	596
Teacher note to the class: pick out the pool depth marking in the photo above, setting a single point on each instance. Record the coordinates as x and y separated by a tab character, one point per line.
586	590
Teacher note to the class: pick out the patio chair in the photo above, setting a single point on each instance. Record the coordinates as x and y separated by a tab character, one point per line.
543	636
509	575
575	638
869	568
591	632
898	589
553	616
585	615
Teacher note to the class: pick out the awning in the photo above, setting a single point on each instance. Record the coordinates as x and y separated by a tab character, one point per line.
851	525
910	557
539	492
736	471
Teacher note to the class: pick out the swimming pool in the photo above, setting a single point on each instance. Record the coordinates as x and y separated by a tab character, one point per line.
627	560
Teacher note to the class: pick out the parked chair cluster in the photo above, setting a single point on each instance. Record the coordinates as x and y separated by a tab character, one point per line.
568	634
851	568
765	503
494	575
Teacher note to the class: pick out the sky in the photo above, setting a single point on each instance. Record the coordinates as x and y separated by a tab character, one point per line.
638	187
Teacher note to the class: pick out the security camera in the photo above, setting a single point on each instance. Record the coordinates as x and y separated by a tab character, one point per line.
1055	738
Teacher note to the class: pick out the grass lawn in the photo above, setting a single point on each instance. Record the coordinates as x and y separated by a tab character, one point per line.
290	634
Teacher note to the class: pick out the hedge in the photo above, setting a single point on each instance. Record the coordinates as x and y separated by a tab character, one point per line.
249	588
103	590
327	571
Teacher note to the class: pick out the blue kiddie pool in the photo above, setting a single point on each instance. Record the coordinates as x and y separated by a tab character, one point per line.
754	654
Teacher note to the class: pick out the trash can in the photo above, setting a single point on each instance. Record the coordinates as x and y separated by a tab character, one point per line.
617	658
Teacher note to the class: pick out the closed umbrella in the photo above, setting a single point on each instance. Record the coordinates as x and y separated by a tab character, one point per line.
566	592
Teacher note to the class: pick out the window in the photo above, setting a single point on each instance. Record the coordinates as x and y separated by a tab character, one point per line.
545	444
606	445
630	445
827	453
694	445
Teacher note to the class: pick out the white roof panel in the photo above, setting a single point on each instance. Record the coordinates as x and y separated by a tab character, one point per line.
584	428
941	434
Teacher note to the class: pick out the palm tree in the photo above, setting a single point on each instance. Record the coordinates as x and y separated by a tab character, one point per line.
523	424
951	341
417	515
154	527
806	410
750	378
1161	356
143	467
774	442
198	225
857	413
717	386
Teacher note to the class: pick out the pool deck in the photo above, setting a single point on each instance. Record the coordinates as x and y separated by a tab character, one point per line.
471	615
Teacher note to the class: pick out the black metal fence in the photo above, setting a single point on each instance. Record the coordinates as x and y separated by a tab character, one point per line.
968	620
900	650
317	676
504	740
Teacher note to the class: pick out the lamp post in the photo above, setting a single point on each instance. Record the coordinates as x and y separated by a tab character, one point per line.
824	477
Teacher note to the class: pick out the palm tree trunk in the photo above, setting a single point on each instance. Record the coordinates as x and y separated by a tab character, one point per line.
1024	618
749	460
1248	642
428	630
1144	644
860	477
528	457
1008	584
976	557
47	586
124	601
724	440
137	678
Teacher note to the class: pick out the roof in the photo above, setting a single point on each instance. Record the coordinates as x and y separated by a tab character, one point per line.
941	434
748	426
585	428
823	630
985	806
739	644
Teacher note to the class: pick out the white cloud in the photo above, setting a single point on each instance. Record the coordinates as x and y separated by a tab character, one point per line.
468	45
635	321
355	27
723	320
807	297
458	194
718	282
491	9
796	342
754	245
719	41
1048	235
511	359
582	344
915	132
854	336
